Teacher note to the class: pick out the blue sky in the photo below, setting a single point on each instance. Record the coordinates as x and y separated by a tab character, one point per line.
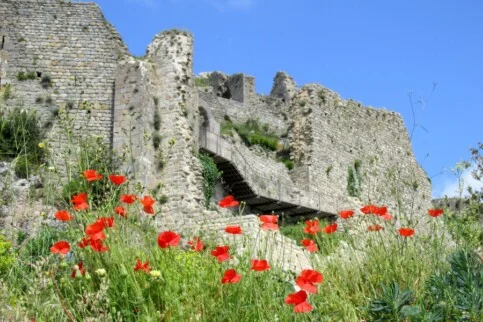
375	52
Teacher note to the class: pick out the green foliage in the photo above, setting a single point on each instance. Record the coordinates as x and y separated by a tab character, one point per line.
464	224
288	163
393	304
156	120
20	136
6	91
156	140
7	257
354	179
327	244
46	81
210	176
457	292
252	132
22	76
202	82
351	183
226	127
94	154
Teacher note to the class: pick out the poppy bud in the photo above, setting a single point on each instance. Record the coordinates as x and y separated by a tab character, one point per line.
88	276
78	274
63	264
155	273
123	270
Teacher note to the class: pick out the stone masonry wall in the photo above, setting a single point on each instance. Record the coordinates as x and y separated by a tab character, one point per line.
330	135
75	47
171	54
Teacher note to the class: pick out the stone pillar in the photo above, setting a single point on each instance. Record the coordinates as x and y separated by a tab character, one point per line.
173	84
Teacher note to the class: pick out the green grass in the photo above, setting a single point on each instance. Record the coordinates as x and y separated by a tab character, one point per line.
368	276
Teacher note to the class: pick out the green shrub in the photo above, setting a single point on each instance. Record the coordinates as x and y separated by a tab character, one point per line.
253	133
94	154
156	140
46	81
457	292
202	82
226	127
6	90
7	257
393	304
20	135
25	165
31	75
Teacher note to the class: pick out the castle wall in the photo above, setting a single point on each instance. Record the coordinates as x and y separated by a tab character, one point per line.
76	47
264	108
330	135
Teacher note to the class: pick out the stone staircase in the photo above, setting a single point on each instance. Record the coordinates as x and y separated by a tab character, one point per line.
262	190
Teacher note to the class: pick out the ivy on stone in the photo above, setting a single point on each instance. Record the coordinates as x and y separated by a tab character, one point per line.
210	175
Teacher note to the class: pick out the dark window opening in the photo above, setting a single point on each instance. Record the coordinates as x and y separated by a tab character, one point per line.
3	42
224	93
39	74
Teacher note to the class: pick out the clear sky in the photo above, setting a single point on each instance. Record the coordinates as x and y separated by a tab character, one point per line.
374	51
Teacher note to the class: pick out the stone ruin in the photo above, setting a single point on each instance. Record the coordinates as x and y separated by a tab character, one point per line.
156	107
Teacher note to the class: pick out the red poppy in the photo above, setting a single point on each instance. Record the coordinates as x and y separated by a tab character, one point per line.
435	212
260	265
406	232
97	245
92	175
61	247
94	228
120	211
387	216
375	228
221	253
310	245
147	201
63	215
80	201
149	210
269	222
346	214
369	209
79	198
78	268
331	228
228	202
380	211
311	227
307	280
168	238
196	244
97	236
129	199
117	179
234	230
142	267
107	221
84	242
230	276
299	299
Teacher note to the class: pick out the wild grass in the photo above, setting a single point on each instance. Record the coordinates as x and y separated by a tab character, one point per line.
368	275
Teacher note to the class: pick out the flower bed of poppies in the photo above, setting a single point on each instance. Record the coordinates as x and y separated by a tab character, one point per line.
107	263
